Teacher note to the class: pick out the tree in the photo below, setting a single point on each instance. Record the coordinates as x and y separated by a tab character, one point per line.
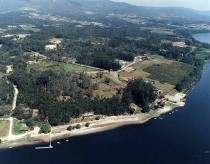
142	93
87	124
70	128
0	141
127	97
45	128
78	126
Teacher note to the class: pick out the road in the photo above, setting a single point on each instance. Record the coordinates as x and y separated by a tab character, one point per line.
10	135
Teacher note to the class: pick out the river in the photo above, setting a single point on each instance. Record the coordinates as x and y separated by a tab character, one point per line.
179	138
202	37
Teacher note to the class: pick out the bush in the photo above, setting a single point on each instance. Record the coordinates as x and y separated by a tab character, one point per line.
70	128
45	128
78	126
97	118
87	124
107	81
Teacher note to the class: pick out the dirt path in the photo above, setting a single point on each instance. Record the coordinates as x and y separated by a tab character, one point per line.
10	135
115	77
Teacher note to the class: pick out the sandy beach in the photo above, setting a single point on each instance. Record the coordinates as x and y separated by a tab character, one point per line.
108	123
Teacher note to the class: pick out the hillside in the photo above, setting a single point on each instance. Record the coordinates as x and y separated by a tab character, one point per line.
101	7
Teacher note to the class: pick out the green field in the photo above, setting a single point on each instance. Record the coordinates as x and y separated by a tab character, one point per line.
43	66
72	68
162	31
147	71
169	73
202	54
30	27
4	128
18	127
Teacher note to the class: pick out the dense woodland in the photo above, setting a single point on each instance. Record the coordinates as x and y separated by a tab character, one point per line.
41	90
6	96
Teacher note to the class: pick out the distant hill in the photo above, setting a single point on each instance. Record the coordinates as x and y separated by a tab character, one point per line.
68	7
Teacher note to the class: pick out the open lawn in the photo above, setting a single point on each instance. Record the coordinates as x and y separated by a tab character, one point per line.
4	128
73	68
169	73
18	127
202	54
162	31
46	65
160	71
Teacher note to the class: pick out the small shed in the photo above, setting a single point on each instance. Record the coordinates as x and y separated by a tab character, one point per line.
35	113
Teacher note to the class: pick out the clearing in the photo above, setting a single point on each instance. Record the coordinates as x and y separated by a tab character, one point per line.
106	86
202	54
169	73
4	128
179	44
161	78
162	31
18	127
46	65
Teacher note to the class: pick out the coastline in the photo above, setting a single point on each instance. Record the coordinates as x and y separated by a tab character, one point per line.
96	126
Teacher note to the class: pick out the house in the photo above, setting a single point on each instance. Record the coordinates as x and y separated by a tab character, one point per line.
35	112
128	69
88	114
127	79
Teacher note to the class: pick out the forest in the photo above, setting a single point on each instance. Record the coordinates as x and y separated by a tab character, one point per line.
42	90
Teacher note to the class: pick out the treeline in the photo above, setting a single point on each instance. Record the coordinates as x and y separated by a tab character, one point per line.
6	92
6	97
194	76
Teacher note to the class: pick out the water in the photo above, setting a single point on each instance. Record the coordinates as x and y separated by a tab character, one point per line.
202	37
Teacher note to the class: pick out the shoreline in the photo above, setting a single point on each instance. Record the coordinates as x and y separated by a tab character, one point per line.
96	126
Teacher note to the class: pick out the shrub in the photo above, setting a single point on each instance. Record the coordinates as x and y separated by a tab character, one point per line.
87	124
70	128
45	128
78	126
97	118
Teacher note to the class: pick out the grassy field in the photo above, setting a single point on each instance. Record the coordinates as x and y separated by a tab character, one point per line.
169	73
18	127
73	68
4	128
104	90
162	31
30	27
43	66
141	70
202	54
